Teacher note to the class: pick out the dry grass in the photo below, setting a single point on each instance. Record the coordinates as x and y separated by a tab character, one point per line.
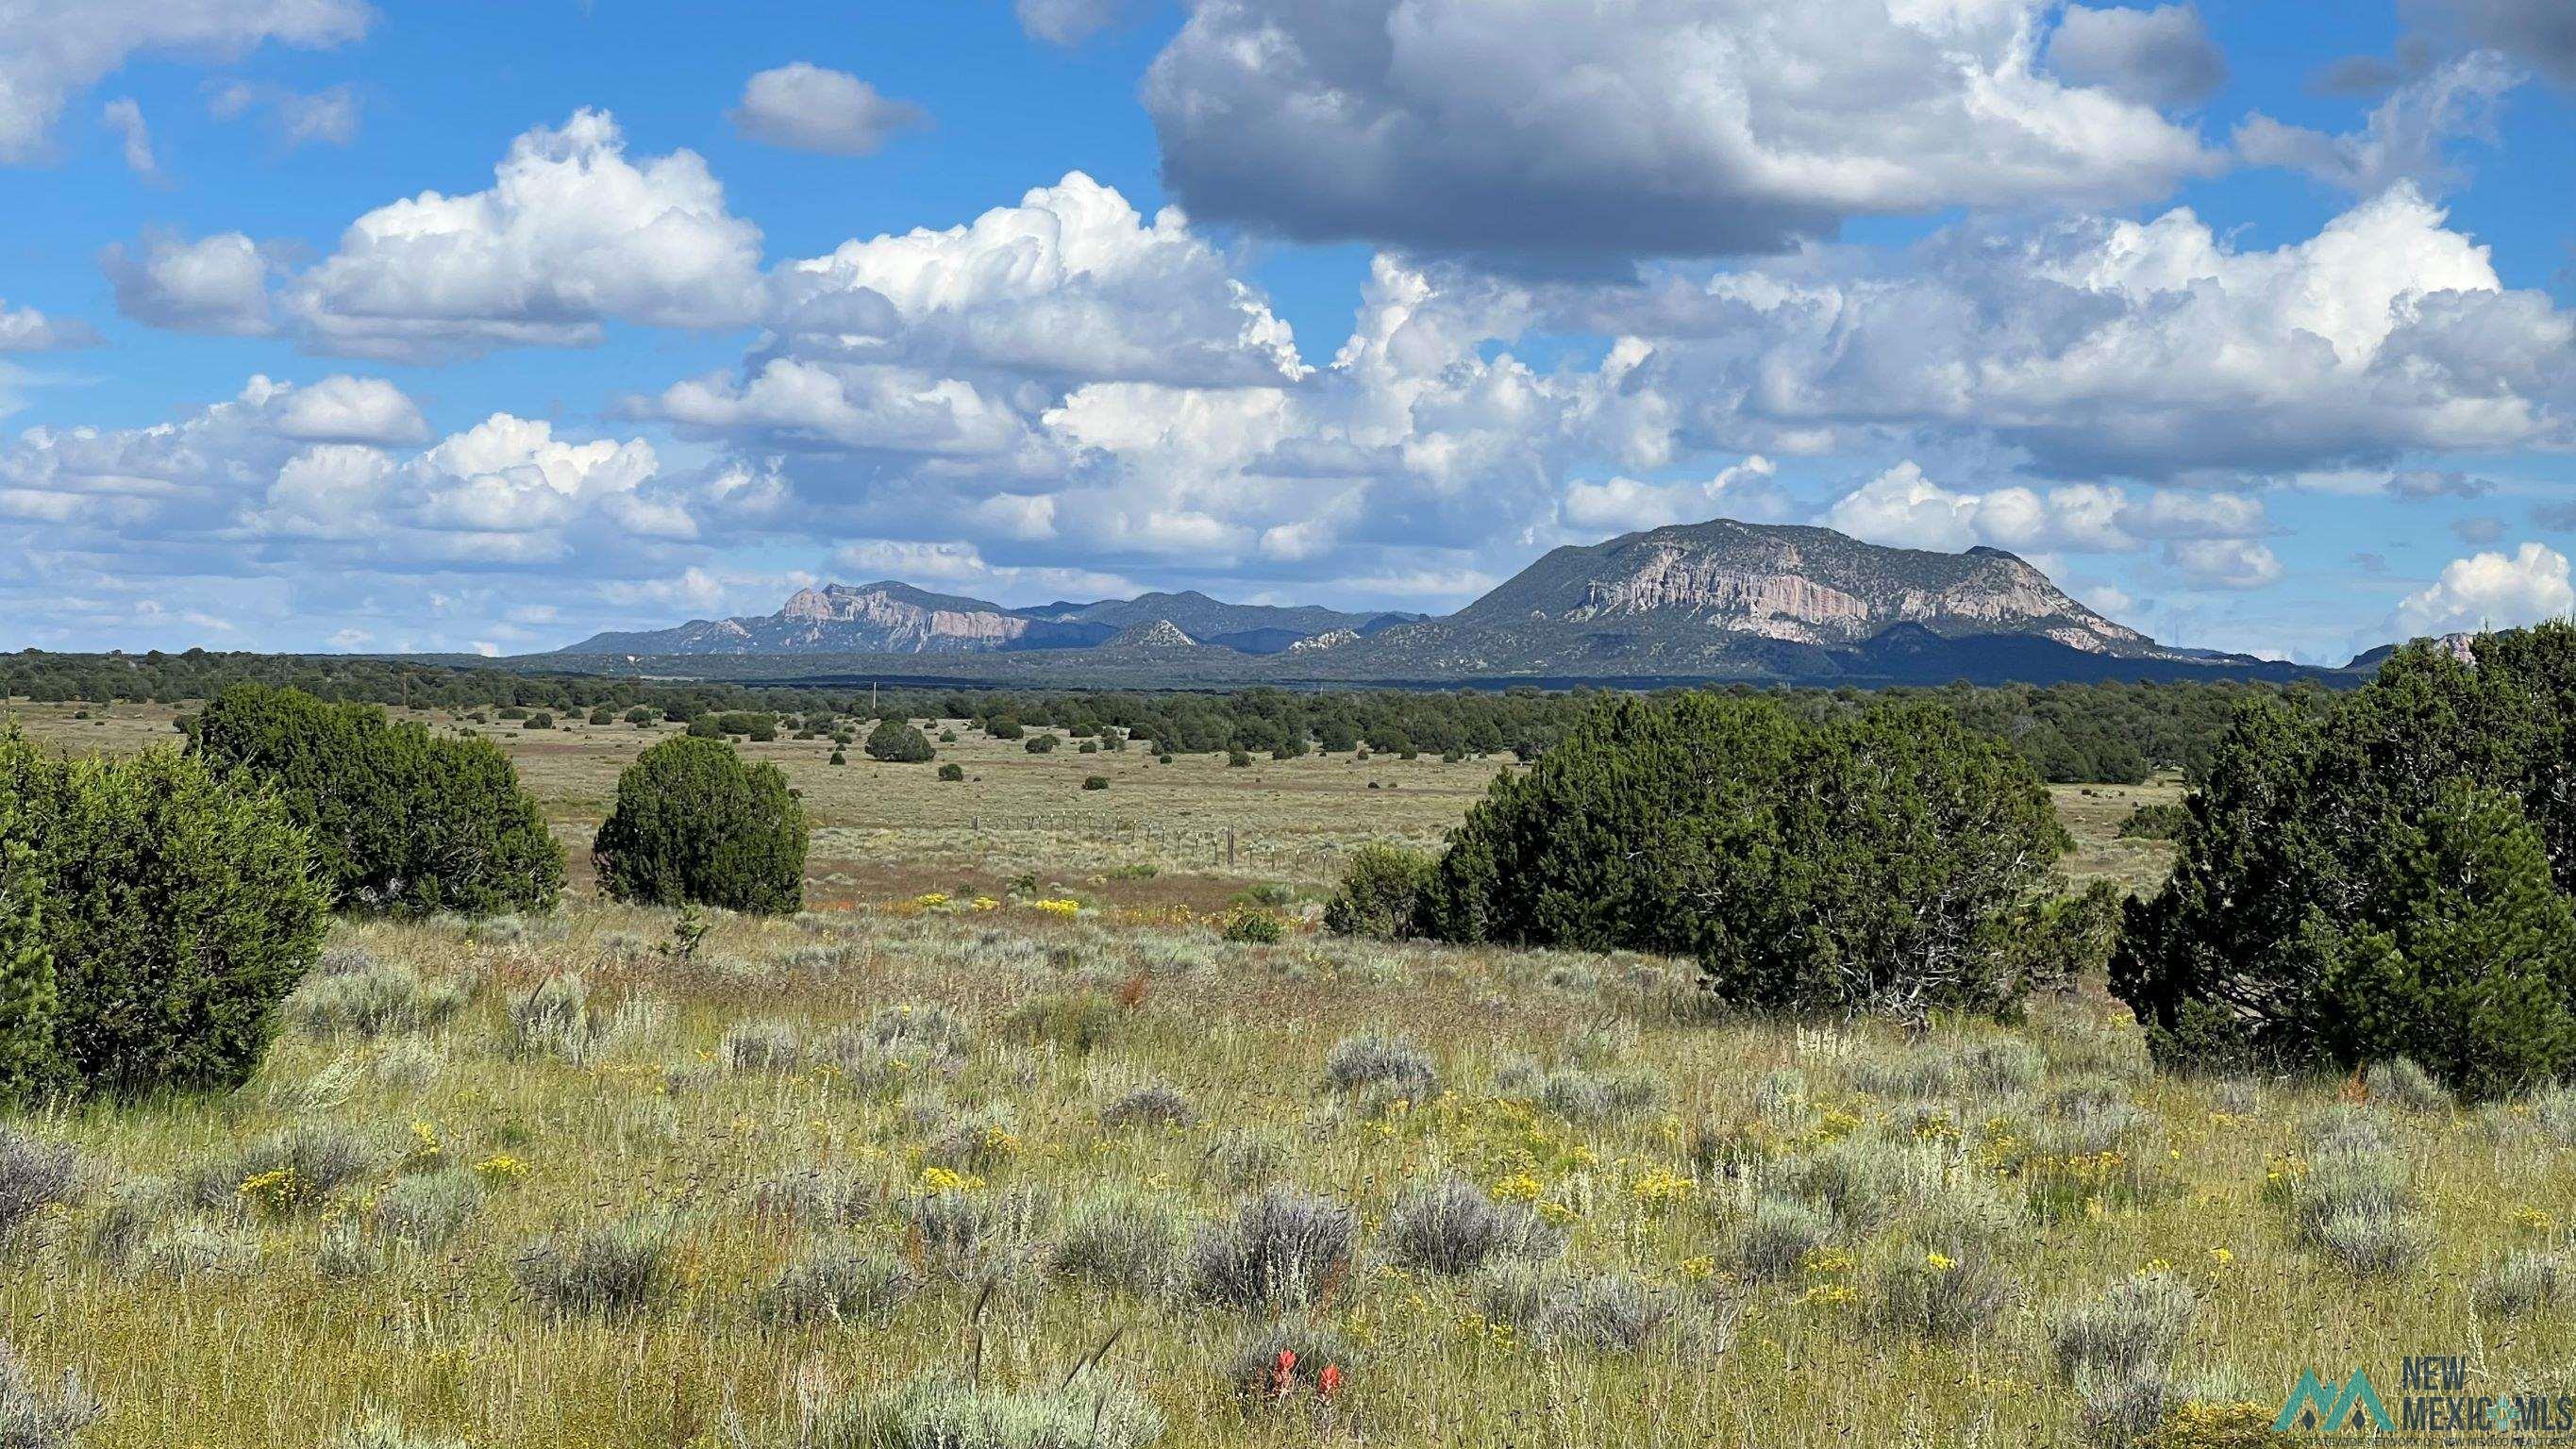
305	1315
885	830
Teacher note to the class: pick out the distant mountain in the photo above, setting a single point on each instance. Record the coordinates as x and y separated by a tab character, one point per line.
1746	599
1715	600
894	618
1151	635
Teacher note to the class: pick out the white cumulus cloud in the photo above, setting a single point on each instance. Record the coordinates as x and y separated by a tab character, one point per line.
806	107
2492	591
571	234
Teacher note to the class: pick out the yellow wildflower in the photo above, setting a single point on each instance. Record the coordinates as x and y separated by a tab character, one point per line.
941	1179
1659	1188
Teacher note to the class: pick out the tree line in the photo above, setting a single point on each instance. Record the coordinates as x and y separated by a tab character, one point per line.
2096	733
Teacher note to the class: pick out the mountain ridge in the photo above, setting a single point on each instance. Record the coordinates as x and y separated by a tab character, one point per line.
1721	599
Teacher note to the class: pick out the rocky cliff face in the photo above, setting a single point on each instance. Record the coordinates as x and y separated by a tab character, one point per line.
906	620
879	618
1791	585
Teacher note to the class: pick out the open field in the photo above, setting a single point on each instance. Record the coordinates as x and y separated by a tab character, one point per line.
892	831
913	1134
216	1293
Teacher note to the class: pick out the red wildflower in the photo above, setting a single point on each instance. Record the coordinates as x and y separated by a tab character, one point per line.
1329	1382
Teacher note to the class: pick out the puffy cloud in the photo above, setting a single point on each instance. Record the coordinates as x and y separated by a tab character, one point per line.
1747	491
266	477
51	51
348	409
805	107
2225	563
2407	136
2160	57
2151	349
571	234
1067	22
124	116
805	406
1070	283
215	284
24	329
1904	506
1568	130
2491	591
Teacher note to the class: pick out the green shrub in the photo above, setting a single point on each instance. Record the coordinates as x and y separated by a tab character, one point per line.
401	820
897	743
952	772
1252	926
1888	861
1041	744
178	911
539	721
2156	820
28	1003
1377	893
1237	759
694	822
2384	877
1095	782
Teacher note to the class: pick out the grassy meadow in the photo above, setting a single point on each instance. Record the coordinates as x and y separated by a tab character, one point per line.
1003	1107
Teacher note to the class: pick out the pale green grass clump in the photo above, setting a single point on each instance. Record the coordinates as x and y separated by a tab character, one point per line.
38	1415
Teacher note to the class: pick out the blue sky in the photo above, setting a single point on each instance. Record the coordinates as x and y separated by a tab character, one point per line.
336	325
